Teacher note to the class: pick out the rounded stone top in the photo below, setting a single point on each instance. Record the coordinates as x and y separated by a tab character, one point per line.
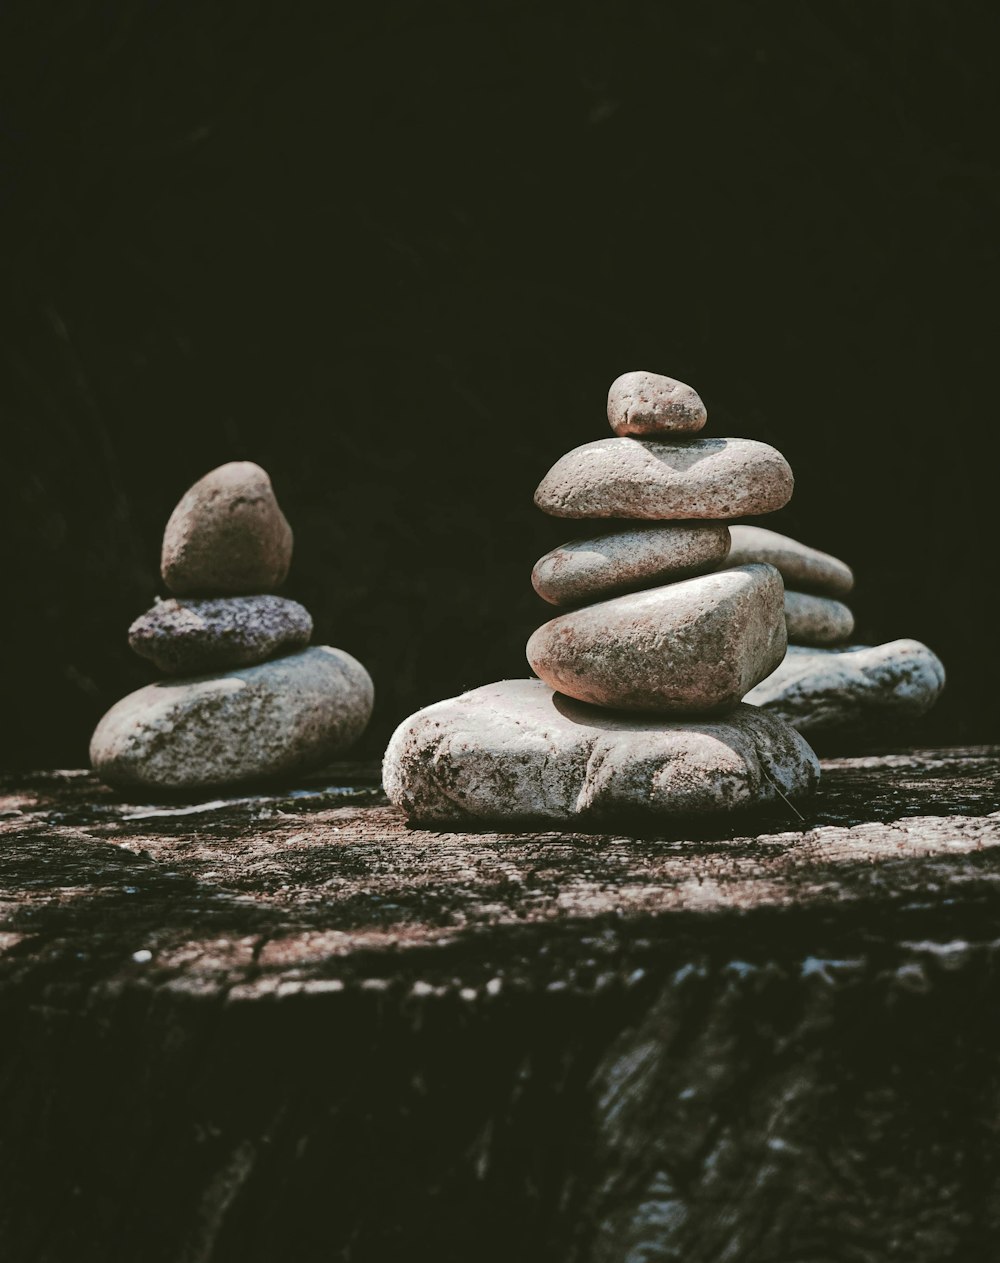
651	404
227	536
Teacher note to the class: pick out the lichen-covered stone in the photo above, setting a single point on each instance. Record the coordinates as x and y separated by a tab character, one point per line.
619	561
189	636
279	717
651	404
227	536
515	752
817	620
801	567
639	478
694	647
819	690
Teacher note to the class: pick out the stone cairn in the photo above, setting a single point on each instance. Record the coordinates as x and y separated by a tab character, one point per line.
248	698
636	709
825	684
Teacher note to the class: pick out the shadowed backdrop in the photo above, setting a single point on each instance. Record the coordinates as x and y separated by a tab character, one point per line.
397	254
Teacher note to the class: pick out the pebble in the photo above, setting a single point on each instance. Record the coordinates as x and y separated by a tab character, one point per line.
276	718
651	404
692	647
818	690
188	636
801	567
817	620
618	561
636	478
227	536
517	753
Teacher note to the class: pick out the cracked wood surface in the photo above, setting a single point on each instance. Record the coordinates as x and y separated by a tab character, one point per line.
284	1024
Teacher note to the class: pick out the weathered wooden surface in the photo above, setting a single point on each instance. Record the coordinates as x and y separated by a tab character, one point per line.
287	1027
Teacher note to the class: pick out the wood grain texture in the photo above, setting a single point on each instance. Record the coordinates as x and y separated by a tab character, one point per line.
285	1025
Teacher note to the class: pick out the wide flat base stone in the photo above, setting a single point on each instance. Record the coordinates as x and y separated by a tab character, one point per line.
236	727
821	691
516	751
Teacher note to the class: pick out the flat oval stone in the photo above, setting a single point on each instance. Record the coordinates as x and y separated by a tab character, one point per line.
189	636
860	686
515	752
273	719
801	567
638	478
227	536
619	561
651	404
817	620
694	647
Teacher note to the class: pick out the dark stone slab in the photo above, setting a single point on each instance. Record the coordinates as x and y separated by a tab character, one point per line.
282	1025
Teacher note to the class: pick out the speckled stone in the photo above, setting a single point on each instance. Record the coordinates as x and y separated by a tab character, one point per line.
652	405
619	561
227	536
694	647
516	753
817	620
276	718
862	686
802	567
186	636
638	478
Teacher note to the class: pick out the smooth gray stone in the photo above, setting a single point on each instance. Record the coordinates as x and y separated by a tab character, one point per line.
801	567
190	636
227	536
638	478
619	561
517	752
653	405
818	690
282	716
817	620
693	647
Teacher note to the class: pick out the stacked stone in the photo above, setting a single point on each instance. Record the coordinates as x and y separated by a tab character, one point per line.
825	684
814	582
636	708
250	699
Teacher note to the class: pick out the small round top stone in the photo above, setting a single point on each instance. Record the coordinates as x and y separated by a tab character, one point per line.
227	536
651	404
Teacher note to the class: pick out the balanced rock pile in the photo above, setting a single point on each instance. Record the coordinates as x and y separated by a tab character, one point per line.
636	709
825	683
248	699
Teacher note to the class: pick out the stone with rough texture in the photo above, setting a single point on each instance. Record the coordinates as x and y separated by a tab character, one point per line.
227	536
516	751
185	637
694	647
817	690
651	404
817	620
637	478
619	561
278	717
801	567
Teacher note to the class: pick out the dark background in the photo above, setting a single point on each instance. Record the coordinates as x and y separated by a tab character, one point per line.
396	254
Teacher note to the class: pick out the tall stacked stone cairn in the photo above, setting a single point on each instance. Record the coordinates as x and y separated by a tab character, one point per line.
635	711
247	698
826	684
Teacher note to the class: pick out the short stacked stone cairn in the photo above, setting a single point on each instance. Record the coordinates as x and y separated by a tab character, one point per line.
636	709
247	700
825	684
